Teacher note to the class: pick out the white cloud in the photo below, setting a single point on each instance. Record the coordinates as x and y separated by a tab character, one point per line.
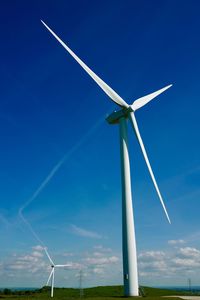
152	261
68	254
185	262
168	263
83	274
28	263
28	258
84	233
102	249
147	255
171	263
98	254
98	271
37	254
101	260
190	252
98	247
176	242
38	248
101	265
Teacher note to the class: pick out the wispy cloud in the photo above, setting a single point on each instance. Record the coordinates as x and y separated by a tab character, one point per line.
99	261
194	237
102	249
190	238
84	232
68	254
176	242
38	248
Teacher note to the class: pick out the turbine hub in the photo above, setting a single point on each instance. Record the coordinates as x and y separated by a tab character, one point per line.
115	116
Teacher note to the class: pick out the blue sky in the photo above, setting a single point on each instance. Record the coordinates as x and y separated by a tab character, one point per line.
50	109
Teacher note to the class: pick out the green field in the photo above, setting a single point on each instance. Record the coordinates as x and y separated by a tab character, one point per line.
99	293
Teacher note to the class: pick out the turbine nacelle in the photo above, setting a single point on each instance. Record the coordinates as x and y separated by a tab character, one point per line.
115	116
140	102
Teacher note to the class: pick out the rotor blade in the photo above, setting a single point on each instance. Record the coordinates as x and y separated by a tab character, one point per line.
144	100
51	261
60	266
108	90
136	129
49	277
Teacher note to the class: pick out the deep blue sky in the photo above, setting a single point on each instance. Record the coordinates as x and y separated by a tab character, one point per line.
49	108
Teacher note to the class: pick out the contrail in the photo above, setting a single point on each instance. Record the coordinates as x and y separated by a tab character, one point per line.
53	171
31	229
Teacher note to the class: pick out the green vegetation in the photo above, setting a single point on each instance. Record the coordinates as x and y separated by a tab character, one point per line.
99	293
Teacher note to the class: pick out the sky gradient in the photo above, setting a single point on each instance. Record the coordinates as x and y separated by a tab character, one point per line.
60	161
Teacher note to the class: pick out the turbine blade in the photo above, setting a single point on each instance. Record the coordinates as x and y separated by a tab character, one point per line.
108	90
49	277
60	266
136	129
144	100
51	261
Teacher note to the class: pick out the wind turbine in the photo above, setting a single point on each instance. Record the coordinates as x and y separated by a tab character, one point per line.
52	273
127	112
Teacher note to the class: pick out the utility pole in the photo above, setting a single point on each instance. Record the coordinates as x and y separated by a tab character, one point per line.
190	285
80	284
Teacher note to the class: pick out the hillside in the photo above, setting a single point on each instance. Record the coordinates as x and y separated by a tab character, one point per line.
101	292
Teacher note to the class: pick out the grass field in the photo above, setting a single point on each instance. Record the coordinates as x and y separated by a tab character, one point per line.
99	293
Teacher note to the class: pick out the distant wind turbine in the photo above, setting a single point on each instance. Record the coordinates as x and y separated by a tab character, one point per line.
52	273
127	112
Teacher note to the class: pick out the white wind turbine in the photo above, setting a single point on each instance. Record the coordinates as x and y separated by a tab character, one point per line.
52	273
127	112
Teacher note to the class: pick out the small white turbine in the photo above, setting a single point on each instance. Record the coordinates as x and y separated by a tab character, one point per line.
52	273
127	112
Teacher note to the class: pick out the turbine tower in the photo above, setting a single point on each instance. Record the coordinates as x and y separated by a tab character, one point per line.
127	112
52	273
